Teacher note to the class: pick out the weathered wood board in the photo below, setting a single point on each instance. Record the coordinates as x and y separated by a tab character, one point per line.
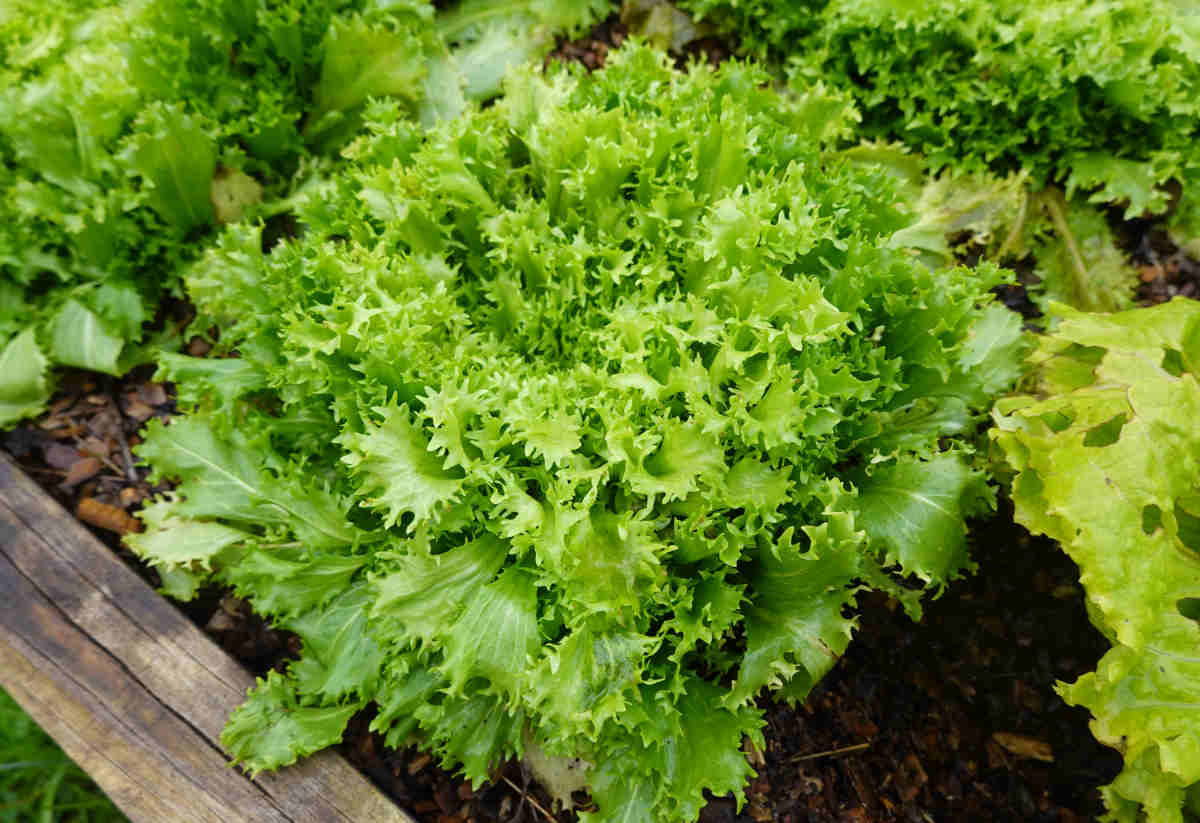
133	691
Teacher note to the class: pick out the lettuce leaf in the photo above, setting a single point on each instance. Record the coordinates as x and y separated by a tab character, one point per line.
227	480
81	338
1080	264
273	728
23	385
1106	461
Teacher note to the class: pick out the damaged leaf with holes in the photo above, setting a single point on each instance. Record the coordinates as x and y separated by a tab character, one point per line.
1106	456
573	426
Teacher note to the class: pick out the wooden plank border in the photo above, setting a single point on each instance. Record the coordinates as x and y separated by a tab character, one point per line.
134	692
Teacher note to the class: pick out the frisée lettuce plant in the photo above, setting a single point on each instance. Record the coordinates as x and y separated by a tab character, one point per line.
1097	96
566	428
1095	100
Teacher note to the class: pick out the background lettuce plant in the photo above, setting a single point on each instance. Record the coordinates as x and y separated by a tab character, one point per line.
129	131
1096	100
1107	462
568	427
1093	95
125	132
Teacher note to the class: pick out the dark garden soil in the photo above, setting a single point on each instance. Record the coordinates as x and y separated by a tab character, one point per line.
953	719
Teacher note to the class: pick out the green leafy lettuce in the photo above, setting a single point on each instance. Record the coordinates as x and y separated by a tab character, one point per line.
571	426
1098	96
1095	99
1107	462
128	132
759	27
1067	242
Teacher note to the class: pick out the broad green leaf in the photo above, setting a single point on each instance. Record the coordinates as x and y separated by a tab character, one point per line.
176	159
170	541
661	24
795	628
992	358
227	479
495	635
285	583
121	306
339	657
491	37
588	678
24	389
422	594
79	337
915	509
366	59
443	97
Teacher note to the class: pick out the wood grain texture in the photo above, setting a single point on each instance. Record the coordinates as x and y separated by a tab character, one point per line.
133	691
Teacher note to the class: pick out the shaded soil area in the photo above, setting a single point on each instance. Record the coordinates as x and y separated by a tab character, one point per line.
955	718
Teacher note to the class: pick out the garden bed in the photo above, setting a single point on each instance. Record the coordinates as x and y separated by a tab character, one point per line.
951	718
954	718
